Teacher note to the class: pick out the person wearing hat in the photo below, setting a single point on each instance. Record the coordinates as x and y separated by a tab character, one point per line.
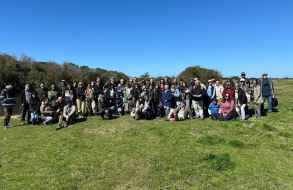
245	85
7	101
211	92
267	91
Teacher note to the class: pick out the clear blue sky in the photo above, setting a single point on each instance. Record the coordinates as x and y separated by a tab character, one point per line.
161	37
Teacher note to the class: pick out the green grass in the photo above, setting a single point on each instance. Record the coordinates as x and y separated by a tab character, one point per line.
128	154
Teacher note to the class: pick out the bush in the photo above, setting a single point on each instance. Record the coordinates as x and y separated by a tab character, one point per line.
196	71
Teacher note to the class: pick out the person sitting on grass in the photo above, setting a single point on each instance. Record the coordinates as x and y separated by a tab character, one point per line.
213	109
142	109
47	112
227	108
182	111
68	116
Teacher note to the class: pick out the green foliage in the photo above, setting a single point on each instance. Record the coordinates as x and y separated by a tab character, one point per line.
25	70
196	71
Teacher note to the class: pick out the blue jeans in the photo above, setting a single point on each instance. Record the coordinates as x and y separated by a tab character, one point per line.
270	102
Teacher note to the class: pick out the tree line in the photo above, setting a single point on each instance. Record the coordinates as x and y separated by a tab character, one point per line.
19	71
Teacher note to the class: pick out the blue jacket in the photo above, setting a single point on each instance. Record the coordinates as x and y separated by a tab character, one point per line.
168	99
211	91
214	108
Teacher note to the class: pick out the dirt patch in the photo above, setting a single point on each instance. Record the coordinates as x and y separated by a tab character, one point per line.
99	131
109	129
138	180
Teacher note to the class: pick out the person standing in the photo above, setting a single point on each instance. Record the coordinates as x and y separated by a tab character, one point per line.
98	95
8	102
257	99
52	95
197	93
211	91
267	91
241	102
34	108
26	101
229	89
80	99
219	90
168	100
42	92
90	104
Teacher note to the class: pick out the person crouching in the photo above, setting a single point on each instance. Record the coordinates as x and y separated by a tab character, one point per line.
68	116
227	108
213	109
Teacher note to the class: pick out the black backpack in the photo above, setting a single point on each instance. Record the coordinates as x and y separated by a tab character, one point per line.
275	102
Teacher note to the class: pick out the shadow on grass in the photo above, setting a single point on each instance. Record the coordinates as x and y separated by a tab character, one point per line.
219	162
236	143
211	140
269	127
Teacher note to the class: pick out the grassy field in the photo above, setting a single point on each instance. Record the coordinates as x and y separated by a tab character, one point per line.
127	154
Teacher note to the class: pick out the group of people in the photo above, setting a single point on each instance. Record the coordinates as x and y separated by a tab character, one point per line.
145	99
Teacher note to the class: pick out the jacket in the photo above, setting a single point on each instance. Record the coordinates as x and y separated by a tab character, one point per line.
227	106
168	99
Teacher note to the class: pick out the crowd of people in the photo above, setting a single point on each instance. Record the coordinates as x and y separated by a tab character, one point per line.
70	102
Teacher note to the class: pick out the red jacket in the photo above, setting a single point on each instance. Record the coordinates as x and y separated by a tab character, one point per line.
230	91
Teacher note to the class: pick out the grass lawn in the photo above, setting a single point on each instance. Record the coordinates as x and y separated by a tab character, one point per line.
127	154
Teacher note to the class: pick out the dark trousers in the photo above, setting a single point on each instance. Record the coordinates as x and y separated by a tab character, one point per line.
7	115
25	115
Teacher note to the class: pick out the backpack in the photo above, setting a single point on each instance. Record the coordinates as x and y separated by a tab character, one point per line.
275	102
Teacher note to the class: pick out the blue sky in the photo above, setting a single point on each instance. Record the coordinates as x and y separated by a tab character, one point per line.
161	37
